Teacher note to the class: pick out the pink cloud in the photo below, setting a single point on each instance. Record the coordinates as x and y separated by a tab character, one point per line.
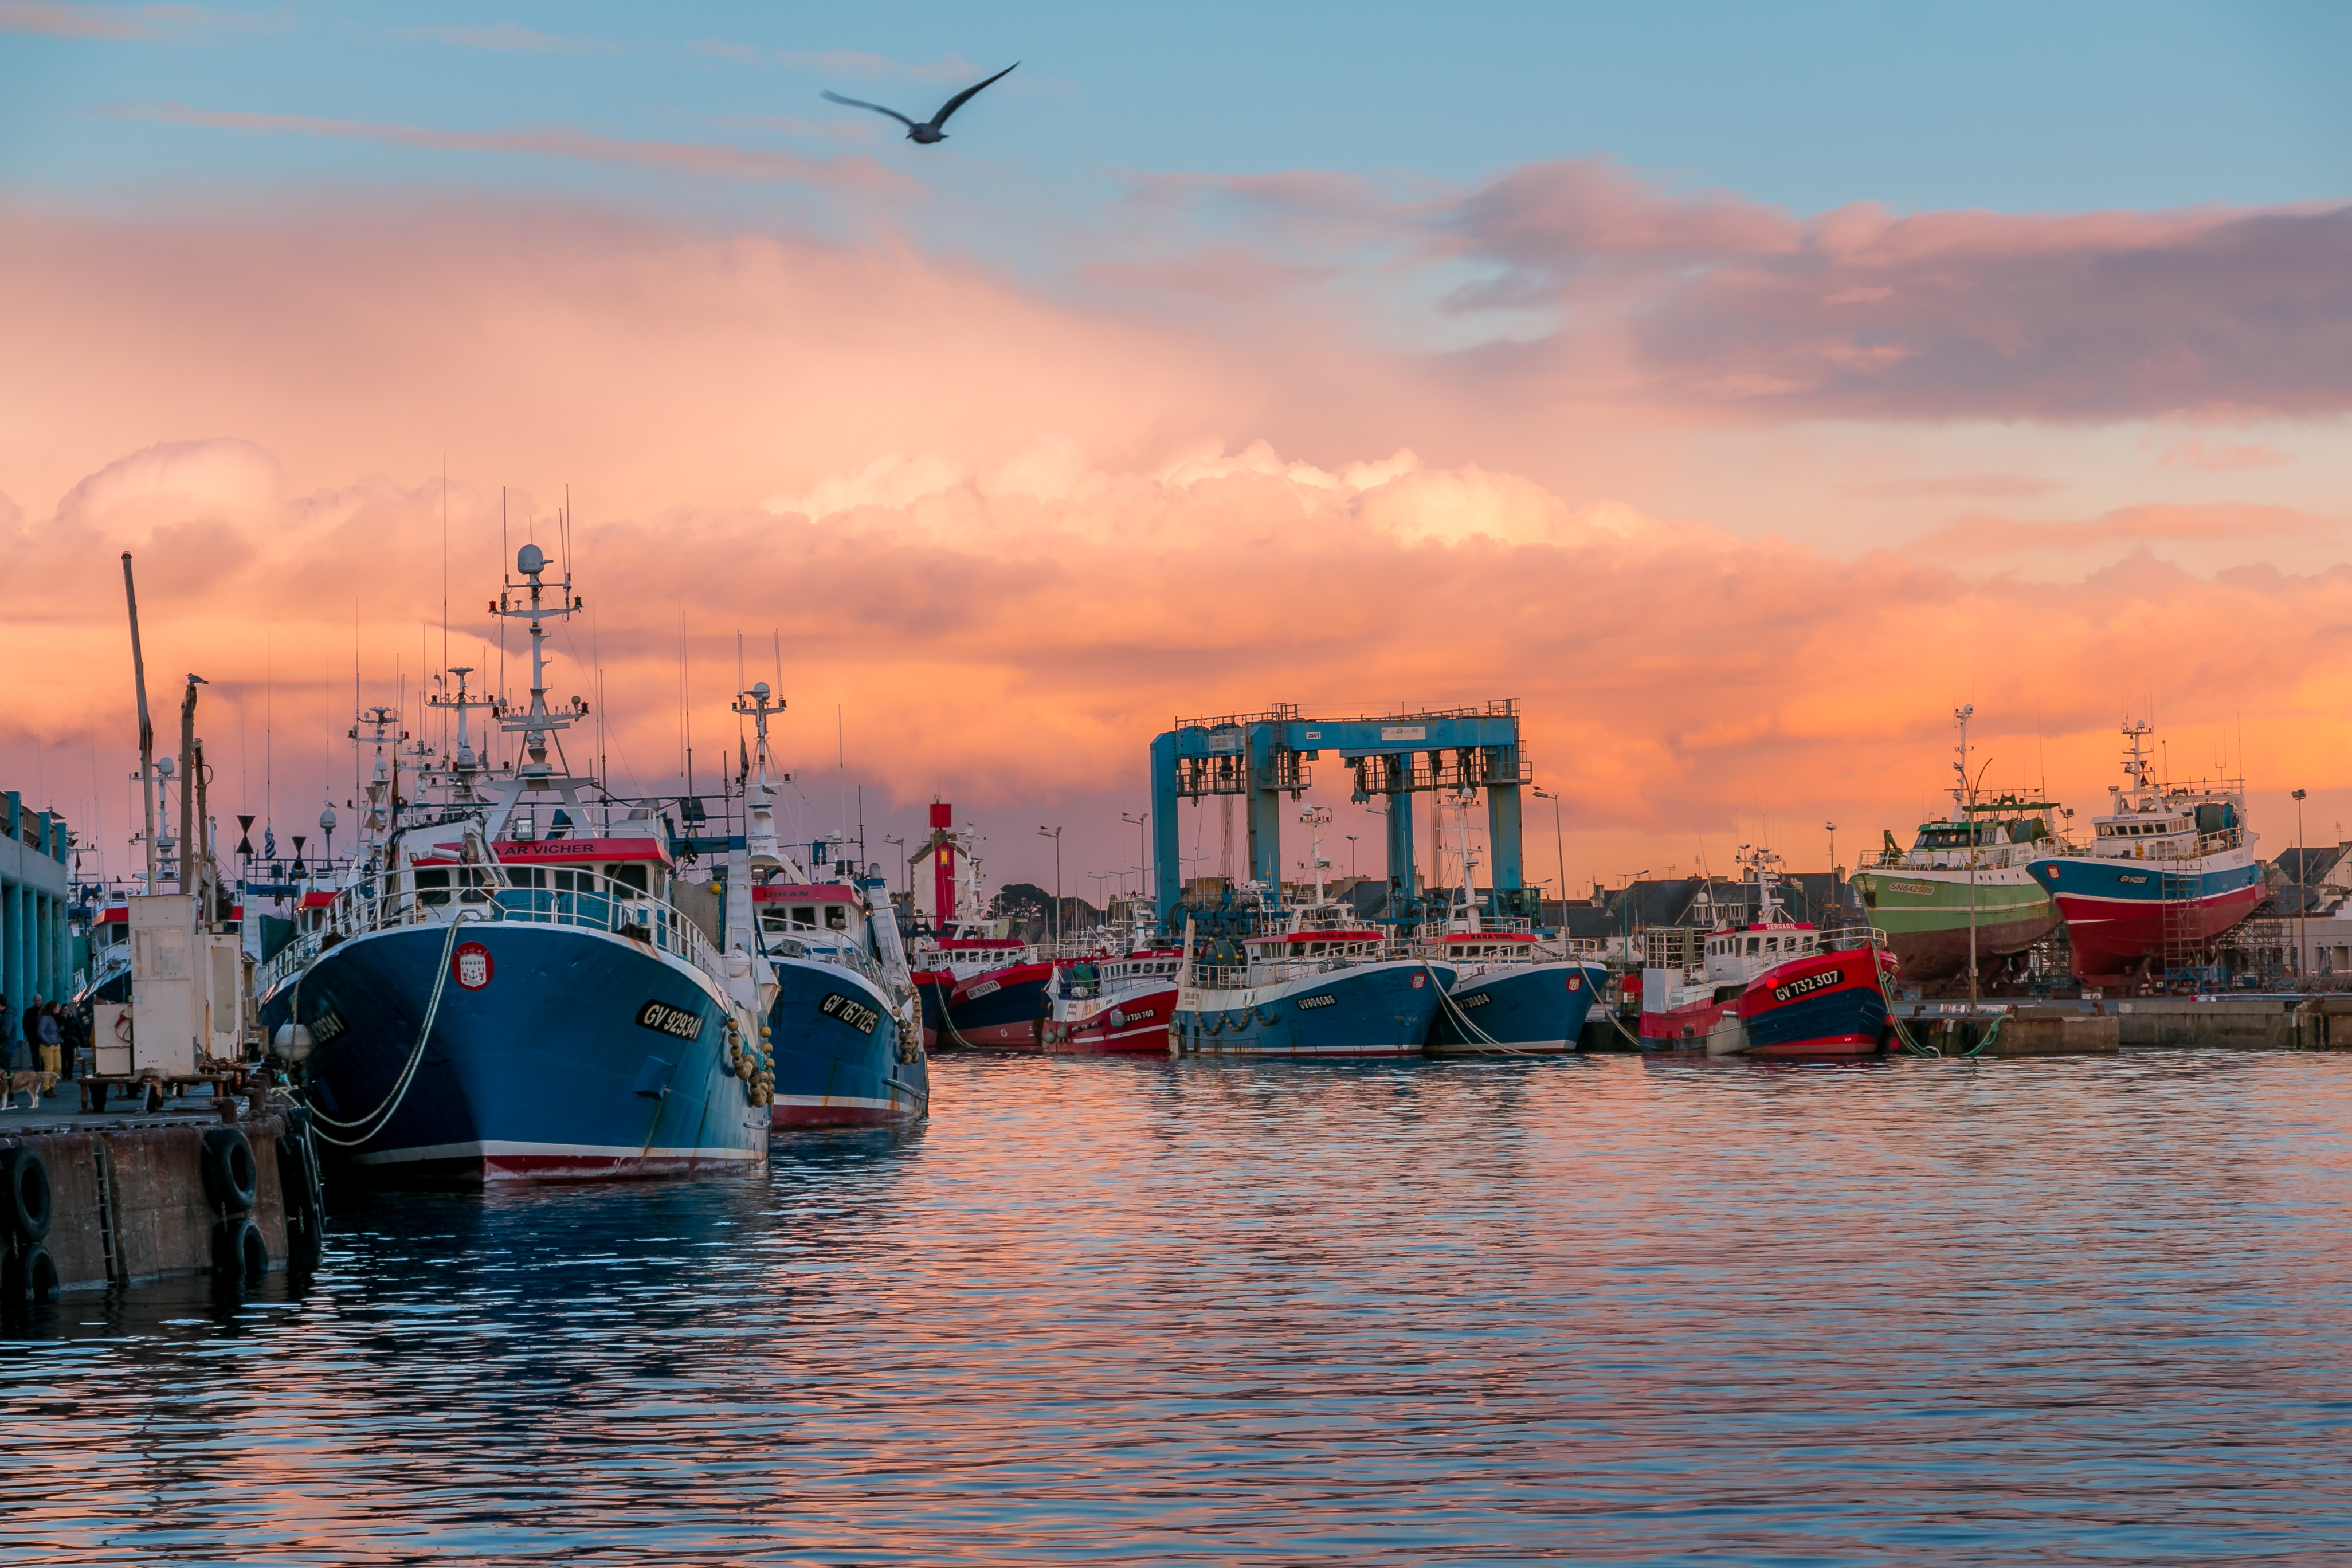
683	157
2220	456
1992	535
507	36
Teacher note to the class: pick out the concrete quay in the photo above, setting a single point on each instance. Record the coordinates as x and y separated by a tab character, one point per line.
225	1187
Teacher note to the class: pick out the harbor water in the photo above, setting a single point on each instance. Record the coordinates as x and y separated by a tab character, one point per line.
1601	1310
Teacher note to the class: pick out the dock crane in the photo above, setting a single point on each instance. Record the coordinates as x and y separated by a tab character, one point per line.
1264	756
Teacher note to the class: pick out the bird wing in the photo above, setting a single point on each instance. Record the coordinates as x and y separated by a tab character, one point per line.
959	100
861	103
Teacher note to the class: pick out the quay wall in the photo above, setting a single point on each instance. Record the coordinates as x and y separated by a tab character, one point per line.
127	1201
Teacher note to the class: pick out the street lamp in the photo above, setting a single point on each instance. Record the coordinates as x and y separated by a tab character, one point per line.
1056	834
1142	844
1625	881
2302	870
1559	851
1351	857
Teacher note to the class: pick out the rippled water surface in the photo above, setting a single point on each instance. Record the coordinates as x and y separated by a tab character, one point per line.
1601	1310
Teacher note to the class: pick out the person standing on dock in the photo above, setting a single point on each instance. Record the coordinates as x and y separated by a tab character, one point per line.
53	1040
13	1049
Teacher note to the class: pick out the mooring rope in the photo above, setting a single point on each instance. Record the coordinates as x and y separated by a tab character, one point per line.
383	1113
1463	1019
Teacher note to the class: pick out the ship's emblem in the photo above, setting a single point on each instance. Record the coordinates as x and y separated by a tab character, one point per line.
471	965
1575	982
1420	979
1117	1019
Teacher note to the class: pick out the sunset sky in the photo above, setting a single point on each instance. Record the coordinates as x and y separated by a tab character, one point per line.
1741	388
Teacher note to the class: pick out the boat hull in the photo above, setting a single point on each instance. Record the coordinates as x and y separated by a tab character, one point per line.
1519	1008
2121	914
1001	1010
1132	1025
1926	915
1370	1010
1823	1005
838	1052
557	1054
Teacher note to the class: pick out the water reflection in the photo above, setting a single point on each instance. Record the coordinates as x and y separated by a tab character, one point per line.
1605	1309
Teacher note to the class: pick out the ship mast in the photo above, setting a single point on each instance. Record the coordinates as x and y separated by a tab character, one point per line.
464	764
535	722
759	795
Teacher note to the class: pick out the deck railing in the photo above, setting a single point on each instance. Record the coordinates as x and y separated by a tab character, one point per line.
592	901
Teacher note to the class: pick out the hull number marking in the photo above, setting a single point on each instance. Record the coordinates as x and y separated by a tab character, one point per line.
854	1014
1480	1000
677	1023
1808	984
1307	1001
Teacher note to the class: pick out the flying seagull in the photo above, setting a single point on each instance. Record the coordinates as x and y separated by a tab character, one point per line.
928	130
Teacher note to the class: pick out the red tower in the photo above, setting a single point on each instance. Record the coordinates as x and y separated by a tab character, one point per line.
942	864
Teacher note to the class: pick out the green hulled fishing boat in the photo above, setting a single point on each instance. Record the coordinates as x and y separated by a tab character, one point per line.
1969	868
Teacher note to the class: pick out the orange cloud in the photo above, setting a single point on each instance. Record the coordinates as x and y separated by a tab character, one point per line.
1990	535
1012	536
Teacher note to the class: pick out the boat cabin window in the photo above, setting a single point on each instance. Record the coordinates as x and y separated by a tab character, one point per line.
629	876
1752	944
433	887
804	916
837	917
526	877
1771	944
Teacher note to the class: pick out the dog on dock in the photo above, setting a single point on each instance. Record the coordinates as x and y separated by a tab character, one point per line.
34	1084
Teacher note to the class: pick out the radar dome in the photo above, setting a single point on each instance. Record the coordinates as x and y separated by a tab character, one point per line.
530	561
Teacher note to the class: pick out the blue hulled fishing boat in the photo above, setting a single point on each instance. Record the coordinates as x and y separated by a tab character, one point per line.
504	990
1314	982
843	1027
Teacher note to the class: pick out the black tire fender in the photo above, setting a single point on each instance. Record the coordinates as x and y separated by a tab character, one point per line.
27	1209
240	1255
231	1177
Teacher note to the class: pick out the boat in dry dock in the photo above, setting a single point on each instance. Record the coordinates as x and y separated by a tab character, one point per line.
1963	892
504	989
1773	987
2170	869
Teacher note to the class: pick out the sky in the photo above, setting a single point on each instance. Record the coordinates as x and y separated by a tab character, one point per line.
1740	389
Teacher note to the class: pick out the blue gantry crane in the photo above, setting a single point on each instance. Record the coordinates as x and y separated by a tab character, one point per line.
1265	756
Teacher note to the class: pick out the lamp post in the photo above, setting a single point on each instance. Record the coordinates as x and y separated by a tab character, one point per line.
1351	857
1558	849
2302	870
1056	834
1142	847
1625	881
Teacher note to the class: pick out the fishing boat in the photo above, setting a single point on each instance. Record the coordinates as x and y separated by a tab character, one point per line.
1962	893
1770	987
504	990
2170	869
1119	1000
1509	994
842	1025
979	984
1313	982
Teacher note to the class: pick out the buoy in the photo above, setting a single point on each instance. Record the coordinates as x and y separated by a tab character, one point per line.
28	1207
230	1175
